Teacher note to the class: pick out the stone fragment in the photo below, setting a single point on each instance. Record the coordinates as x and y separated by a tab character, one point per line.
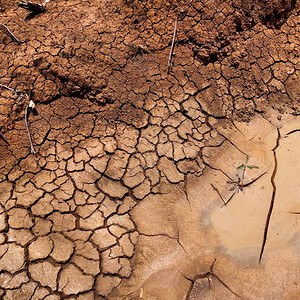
103	239
40	248
105	284
113	188
73	281
62	247
12	258
45	273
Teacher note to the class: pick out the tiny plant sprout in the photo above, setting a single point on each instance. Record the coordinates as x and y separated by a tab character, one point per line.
239	183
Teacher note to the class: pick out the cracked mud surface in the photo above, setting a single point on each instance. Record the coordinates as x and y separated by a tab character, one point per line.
125	197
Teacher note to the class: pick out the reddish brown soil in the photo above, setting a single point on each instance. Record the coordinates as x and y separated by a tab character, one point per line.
117	126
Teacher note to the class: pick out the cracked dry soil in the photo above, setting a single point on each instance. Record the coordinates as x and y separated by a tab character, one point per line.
125	197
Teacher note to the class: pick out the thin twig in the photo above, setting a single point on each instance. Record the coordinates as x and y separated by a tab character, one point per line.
10	34
172	45
27	112
7	87
45	2
29	108
3	138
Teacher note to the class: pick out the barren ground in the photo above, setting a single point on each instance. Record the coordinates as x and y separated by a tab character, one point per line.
128	195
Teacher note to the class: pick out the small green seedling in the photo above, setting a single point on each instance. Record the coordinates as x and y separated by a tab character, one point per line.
239	184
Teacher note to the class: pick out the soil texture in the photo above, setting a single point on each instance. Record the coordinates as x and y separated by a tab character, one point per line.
146	109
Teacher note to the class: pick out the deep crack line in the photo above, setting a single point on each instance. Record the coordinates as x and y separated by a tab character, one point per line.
273	197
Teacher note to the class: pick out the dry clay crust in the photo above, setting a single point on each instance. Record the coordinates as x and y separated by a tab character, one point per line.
123	199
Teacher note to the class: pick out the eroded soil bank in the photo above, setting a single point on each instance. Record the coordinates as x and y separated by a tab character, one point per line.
134	192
